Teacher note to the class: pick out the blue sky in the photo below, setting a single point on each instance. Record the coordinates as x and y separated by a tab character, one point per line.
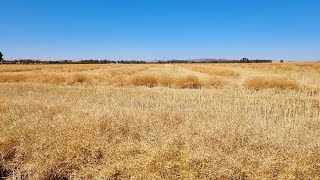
160	29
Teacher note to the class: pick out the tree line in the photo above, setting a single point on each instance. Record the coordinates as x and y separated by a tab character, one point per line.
30	61
105	61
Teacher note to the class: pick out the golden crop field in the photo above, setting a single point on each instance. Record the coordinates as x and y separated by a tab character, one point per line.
160	121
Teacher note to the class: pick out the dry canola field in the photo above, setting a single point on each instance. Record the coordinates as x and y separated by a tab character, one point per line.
160	121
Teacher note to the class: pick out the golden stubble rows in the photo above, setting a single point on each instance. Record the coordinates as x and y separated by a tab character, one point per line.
190	76
258	124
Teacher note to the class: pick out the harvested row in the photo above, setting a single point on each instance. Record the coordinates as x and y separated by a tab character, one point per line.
212	71
94	75
188	81
259	83
21	68
278	83
302	67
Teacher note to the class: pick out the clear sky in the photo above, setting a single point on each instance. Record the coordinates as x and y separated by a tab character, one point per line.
160	29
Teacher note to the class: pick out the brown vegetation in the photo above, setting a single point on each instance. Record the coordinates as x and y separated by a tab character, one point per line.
259	83
145	80
105	122
13	78
191	82
212	70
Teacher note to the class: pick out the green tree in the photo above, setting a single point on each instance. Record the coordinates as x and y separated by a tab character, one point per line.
244	60
1	55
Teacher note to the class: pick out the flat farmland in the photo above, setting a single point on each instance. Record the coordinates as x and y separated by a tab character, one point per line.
160	121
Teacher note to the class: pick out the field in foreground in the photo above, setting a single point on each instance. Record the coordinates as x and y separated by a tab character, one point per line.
188	121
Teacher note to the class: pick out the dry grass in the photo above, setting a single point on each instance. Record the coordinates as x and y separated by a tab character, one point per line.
296	67
80	78
13	78
259	83
105	122
145	80
166	80
213	70
181	82
215	82
190	81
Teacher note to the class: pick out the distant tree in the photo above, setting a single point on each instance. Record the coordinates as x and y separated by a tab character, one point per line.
281	61
1	55
244	60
